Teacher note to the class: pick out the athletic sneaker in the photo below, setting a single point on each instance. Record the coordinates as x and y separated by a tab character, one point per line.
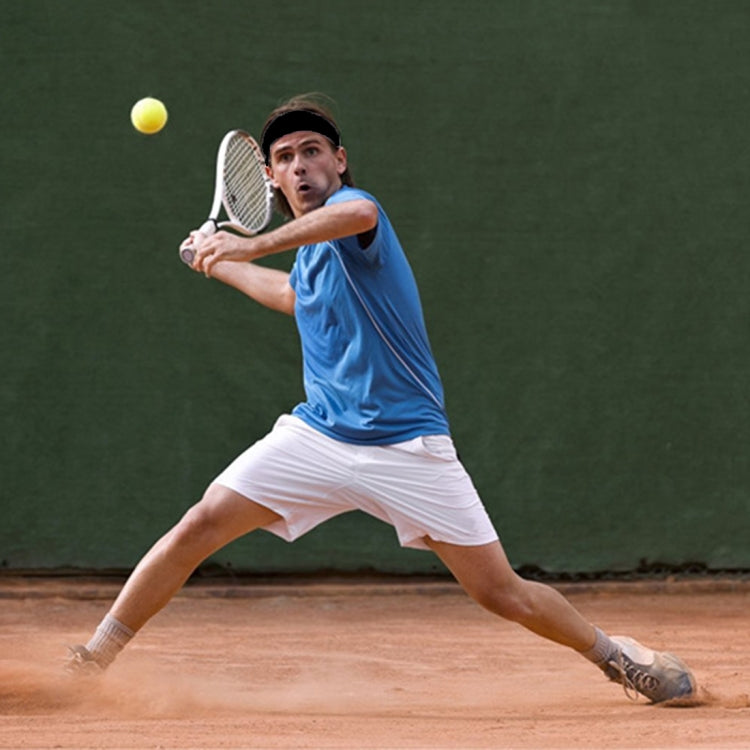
81	662
657	675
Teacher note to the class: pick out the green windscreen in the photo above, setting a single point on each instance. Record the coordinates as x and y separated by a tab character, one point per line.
569	181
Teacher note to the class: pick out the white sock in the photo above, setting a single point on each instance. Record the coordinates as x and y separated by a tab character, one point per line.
602	650
109	639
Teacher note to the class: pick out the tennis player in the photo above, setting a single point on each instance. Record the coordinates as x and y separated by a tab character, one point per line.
372	434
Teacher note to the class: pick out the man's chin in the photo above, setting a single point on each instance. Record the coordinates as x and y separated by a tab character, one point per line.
308	201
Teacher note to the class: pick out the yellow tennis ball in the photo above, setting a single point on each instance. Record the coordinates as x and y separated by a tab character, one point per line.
148	115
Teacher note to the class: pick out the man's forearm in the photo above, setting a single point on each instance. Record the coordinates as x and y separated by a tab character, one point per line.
267	286
325	223
347	219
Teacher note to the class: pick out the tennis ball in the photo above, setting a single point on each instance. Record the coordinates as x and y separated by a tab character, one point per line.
148	115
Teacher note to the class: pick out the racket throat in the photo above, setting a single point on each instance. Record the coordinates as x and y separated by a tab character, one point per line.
209	227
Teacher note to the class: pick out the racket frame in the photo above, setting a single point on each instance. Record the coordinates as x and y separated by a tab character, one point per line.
212	224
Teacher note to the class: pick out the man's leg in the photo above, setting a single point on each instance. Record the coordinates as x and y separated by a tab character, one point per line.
486	575
220	517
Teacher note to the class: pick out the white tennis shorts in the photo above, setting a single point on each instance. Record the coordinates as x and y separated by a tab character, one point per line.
419	486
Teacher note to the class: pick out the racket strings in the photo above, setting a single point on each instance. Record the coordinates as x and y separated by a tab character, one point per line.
247	190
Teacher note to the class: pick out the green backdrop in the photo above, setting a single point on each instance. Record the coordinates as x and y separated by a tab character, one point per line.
570	181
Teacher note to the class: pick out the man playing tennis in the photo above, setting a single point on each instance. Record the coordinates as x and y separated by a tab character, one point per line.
372	435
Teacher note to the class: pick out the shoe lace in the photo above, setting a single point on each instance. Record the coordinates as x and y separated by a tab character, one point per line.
634	681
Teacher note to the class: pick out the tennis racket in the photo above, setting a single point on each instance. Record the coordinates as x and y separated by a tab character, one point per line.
242	187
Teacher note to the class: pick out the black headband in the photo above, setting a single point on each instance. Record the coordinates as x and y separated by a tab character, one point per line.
291	122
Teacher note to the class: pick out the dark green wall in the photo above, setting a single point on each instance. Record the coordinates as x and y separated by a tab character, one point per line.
570	180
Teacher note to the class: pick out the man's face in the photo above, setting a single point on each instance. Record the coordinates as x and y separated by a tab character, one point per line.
307	168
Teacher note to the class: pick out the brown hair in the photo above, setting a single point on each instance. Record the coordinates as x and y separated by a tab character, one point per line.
318	104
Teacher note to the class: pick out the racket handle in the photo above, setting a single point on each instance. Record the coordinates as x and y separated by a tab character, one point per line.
187	253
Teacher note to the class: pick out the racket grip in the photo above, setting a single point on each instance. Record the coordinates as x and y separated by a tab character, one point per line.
187	253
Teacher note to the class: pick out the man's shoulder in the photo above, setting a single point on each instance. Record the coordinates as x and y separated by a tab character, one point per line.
348	193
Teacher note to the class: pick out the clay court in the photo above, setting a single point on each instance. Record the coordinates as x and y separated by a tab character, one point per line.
364	665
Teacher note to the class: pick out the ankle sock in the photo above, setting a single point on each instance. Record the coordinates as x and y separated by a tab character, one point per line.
109	639
602	650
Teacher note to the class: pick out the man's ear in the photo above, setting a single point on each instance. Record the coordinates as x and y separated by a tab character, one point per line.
341	159
269	172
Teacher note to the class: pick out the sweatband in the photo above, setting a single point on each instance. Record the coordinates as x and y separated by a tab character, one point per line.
291	122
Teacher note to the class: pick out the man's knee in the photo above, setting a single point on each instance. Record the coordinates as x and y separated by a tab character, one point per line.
221	516
195	530
507	598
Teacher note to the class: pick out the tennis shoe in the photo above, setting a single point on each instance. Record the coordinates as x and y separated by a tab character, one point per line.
657	675
81	663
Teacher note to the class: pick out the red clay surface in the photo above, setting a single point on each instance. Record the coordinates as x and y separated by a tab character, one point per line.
364	666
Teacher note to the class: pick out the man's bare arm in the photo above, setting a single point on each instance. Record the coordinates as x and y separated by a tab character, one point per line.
267	286
332	222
